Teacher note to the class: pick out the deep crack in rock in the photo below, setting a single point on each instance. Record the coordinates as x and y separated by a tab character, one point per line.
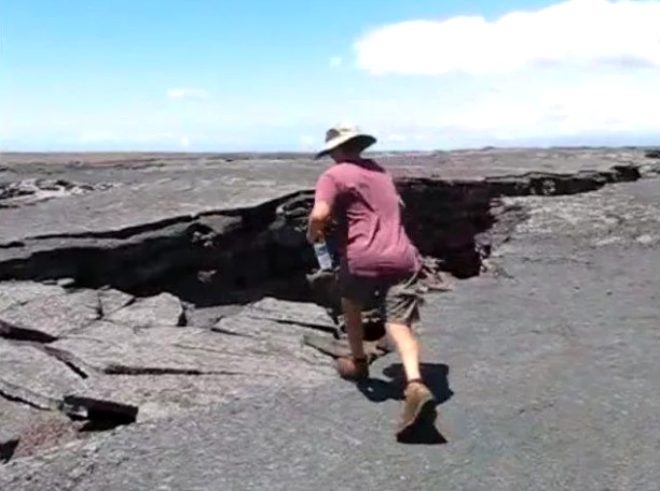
237	256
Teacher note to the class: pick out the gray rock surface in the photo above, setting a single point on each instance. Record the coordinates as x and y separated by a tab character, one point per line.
49	317
169	194
161	310
552	383
30	375
15	293
545	365
30	191
113	300
286	320
15	420
109	348
25	429
169	395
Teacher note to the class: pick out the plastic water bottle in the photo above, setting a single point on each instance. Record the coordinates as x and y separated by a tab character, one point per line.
323	255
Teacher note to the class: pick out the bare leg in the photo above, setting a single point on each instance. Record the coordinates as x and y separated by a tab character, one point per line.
354	330
408	349
419	411
355	367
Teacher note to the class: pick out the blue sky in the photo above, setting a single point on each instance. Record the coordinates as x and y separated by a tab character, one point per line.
222	75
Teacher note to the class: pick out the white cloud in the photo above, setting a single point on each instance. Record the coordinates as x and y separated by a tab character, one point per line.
336	61
185	142
187	93
574	32
579	71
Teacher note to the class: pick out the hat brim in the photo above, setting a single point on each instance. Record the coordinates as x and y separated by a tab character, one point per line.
364	141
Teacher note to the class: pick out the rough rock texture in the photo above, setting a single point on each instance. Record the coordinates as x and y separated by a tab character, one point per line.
161	310
30	191
14	293
652	154
545	363
49	317
239	222
15	420
25	429
113	300
108	348
30	375
281	315
167	395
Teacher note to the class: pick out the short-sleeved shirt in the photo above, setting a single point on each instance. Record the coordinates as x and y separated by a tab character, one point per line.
366	204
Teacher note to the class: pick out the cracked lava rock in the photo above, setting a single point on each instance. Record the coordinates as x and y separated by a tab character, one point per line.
141	288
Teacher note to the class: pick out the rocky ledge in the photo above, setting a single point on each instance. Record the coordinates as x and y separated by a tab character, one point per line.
137	287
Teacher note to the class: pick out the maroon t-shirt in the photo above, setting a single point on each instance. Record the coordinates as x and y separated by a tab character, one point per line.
364	200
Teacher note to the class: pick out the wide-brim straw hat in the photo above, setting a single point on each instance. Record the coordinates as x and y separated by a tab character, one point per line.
341	134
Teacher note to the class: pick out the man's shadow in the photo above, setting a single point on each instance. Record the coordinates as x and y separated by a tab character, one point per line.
435	376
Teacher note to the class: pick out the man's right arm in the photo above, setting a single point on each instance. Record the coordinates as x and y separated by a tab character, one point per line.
324	199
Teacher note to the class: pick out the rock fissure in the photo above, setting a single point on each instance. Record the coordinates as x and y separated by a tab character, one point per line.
225	257
9	393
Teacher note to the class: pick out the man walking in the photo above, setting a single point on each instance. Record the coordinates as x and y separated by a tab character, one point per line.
378	262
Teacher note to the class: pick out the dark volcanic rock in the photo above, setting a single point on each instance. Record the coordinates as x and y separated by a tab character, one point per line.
244	220
216	234
104	413
548	374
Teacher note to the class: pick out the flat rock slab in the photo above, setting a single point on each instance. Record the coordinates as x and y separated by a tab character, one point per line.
109	348
162	370
167	395
15	293
49	317
286	319
28	374
628	213
44	312
290	323
113	300
24	429
163	310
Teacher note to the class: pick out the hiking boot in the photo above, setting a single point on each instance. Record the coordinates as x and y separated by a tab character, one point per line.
419	411
352	368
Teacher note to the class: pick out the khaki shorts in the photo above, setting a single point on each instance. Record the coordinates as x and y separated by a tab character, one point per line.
397	298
